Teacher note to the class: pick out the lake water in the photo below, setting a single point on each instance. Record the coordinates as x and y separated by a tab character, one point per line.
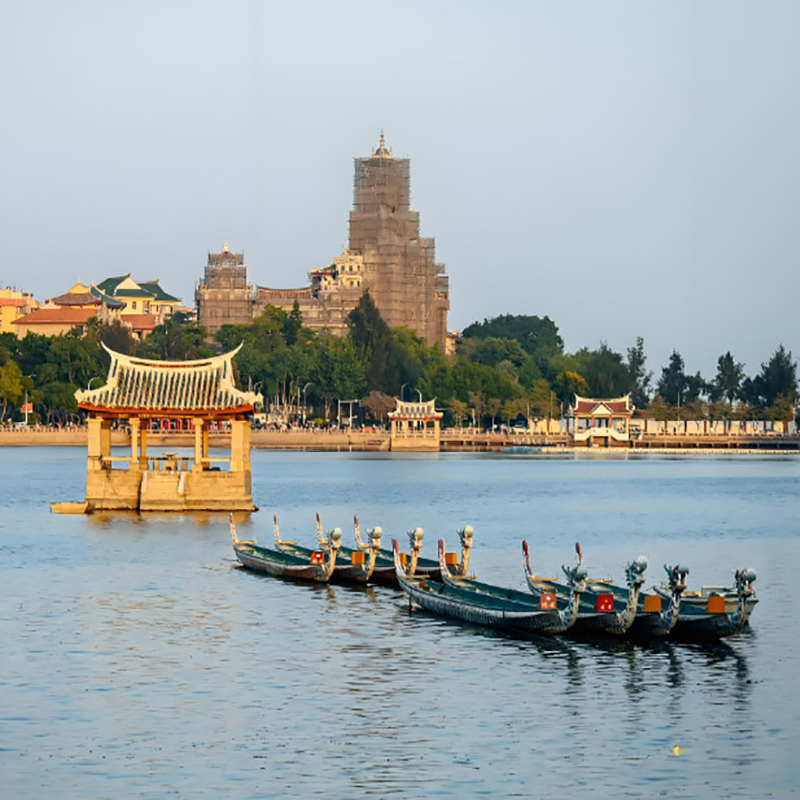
139	661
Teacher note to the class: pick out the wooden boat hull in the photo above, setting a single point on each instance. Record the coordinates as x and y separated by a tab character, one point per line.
700	624
590	621
344	571
279	565
470	606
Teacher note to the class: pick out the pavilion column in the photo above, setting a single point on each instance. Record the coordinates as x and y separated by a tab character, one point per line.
205	441
135	424
143	446
99	442
240	445
198	445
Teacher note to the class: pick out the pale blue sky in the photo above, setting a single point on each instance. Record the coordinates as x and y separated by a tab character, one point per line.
626	168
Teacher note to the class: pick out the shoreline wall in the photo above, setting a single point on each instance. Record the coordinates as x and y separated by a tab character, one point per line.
452	440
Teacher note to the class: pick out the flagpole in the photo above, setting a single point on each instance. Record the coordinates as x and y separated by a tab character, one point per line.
26	406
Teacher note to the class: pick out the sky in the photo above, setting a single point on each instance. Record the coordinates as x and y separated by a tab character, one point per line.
625	168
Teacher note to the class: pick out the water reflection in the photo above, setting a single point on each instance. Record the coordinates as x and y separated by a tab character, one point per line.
140	654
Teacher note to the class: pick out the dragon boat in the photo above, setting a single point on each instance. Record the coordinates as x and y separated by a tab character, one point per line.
657	614
716	611
318	566
384	571
484	604
604	608
352	566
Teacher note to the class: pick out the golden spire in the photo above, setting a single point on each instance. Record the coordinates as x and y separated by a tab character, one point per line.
225	247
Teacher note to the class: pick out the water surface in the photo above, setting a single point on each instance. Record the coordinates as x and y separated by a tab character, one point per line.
140	661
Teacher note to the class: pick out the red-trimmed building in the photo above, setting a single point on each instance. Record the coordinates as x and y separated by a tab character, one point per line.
415	426
600	422
200	393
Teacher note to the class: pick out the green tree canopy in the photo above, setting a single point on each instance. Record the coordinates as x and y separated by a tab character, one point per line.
539	337
640	378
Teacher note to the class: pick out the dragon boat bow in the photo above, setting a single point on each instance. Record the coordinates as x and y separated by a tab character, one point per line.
501	608
318	566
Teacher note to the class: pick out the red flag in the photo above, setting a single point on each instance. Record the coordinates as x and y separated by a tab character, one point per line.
547	601
27	408
317	557
605	602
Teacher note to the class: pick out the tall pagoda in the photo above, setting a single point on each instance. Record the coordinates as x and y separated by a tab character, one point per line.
201	392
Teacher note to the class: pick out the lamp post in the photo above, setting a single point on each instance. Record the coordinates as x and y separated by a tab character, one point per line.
401	392
419	393
310	383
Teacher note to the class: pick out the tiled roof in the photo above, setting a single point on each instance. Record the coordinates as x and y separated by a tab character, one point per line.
110	284
15	302
140	322
615	405
76	299
106	298
416	410
125	292
60	315
169	388
157	293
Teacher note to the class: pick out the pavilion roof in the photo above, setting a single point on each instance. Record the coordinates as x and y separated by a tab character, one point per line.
424	410
615	405
144	387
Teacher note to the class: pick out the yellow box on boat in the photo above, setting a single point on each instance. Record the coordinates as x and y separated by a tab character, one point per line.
450	559
652	602
357	557
716	604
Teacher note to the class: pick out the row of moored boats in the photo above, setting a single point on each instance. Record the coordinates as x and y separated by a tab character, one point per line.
577	604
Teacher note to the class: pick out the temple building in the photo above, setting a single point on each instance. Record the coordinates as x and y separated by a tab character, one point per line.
201	392
385	256
600	422
415	426
225	297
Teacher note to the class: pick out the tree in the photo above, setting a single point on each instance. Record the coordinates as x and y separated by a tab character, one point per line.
493	352
459	409
389	364
10	386
175	341
293	325
379	405
493	406
478	402
544	401
672	386
727	383
604	372
539	337
568	384
639	377
778	378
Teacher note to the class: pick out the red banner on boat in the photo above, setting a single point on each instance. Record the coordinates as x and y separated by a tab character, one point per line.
547	601
605	602
318	557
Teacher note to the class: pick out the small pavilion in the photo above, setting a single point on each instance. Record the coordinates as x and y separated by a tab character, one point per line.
602	422
415	426
201	392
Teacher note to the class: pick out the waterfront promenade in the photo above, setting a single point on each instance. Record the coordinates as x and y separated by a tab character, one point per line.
452	440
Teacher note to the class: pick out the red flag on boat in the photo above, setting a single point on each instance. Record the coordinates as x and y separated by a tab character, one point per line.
547	601
605	602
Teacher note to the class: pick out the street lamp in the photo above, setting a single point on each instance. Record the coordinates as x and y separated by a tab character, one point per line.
310	383
401	391
419	393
